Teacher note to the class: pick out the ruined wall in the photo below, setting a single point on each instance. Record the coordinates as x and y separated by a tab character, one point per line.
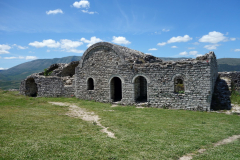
46	86
231	78
102	64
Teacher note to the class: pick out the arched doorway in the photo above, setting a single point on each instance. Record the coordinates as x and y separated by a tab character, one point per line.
140	89
31	88
116	89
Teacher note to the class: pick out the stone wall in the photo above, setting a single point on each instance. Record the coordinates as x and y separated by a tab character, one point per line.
232	79
103	63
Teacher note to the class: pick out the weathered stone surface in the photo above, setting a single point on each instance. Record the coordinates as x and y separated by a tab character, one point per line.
112	73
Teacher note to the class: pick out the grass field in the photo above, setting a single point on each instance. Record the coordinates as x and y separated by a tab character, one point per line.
31	128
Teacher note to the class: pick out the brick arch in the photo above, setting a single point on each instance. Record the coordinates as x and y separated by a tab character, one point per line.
115	75
104	44
137	75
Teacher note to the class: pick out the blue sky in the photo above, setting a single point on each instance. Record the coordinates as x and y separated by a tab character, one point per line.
31	29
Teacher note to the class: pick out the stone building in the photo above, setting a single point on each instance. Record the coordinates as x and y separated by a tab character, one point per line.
113	73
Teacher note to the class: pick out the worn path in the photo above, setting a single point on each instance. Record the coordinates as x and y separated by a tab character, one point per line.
200	151
77	112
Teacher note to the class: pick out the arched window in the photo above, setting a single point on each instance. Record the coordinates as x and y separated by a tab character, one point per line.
140	89
90	84
179	85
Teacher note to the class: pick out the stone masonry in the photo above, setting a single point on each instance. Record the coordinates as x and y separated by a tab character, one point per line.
113	73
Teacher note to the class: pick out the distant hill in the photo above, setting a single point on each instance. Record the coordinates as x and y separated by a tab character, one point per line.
23	70
228	64
172	59
12	77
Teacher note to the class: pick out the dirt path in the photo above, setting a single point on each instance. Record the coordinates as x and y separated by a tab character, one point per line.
200	151
77	112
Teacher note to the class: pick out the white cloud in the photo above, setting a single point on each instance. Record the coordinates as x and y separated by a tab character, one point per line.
3	68
237	50
174	47
68	44
162	44
211	46
232	39
152	49
22	57
120	40
48	50
10	57
45	43
179	39
21	47
86	11
213	37
183	53
193	52
56	11
81	4
165	30
4	49
75	50
92	41
191	47
31	57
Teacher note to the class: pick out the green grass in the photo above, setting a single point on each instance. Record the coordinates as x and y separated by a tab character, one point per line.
235	97
226	152
31	128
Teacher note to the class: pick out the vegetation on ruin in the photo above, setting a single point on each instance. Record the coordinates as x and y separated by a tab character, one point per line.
46	72
31	128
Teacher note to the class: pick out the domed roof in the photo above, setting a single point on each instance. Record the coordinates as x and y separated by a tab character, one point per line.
125	54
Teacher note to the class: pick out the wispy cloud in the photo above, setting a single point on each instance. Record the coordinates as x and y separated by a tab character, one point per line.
19	47
22	57
153	49
56	11
211	46
191	53
165	30
237	50
162	44
86	11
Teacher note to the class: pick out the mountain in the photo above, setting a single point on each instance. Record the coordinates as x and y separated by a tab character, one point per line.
12	77
228	64
23	70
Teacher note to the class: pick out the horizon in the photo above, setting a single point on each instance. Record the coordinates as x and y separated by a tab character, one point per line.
41	30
